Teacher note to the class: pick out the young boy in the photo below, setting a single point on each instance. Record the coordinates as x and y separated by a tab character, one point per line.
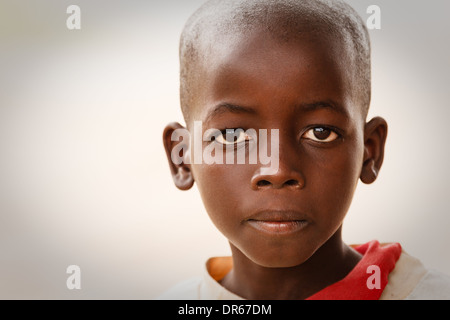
299	69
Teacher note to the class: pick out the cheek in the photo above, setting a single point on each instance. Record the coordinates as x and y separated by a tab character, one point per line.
332	181
222	188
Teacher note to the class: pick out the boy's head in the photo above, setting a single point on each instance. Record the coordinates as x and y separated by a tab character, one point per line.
219	26
302	67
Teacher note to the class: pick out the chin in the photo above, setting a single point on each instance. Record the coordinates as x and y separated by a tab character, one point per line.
279	258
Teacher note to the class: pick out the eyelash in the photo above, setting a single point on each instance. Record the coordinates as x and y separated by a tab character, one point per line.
223	136
333	132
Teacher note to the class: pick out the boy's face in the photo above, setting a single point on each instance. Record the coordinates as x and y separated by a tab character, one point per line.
302	88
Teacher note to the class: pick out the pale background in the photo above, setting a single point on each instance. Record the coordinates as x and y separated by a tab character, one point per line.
83	174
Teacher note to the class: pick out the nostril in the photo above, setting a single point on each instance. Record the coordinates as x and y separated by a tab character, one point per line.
263	183
291	182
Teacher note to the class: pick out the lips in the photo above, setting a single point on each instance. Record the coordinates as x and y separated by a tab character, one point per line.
278	222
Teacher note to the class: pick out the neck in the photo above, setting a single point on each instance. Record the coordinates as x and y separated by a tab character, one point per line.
329	264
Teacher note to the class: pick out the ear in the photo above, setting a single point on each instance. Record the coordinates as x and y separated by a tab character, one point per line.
176	152
375	133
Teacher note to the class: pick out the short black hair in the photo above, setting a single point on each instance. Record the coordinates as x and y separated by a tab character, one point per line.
285	19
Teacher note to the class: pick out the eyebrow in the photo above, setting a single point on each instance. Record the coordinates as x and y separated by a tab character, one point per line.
328	104
308	107
227	107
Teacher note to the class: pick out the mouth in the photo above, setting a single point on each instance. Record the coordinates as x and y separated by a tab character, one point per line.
278	222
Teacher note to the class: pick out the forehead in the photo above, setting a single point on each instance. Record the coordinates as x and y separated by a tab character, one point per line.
252	66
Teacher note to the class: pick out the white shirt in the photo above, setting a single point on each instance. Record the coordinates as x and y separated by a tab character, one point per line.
409	280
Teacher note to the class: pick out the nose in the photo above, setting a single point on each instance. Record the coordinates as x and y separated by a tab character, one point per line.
284	178
287	176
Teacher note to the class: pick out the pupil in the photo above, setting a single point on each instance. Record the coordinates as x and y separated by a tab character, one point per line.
230	138
232	135
321	133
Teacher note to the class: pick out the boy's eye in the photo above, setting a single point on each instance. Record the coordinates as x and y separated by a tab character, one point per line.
232	136
320	134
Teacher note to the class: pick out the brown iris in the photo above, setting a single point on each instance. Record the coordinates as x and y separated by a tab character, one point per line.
321	133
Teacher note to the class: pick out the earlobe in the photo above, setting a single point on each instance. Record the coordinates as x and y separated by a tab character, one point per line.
176	151
369	172
375	134
183	179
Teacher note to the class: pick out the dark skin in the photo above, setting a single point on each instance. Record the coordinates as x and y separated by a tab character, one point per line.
303	88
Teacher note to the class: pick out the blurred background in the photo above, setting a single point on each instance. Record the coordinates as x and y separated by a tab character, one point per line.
83	174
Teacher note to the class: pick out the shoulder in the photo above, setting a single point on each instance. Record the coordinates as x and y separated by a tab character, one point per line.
185	290
412	281
433	285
